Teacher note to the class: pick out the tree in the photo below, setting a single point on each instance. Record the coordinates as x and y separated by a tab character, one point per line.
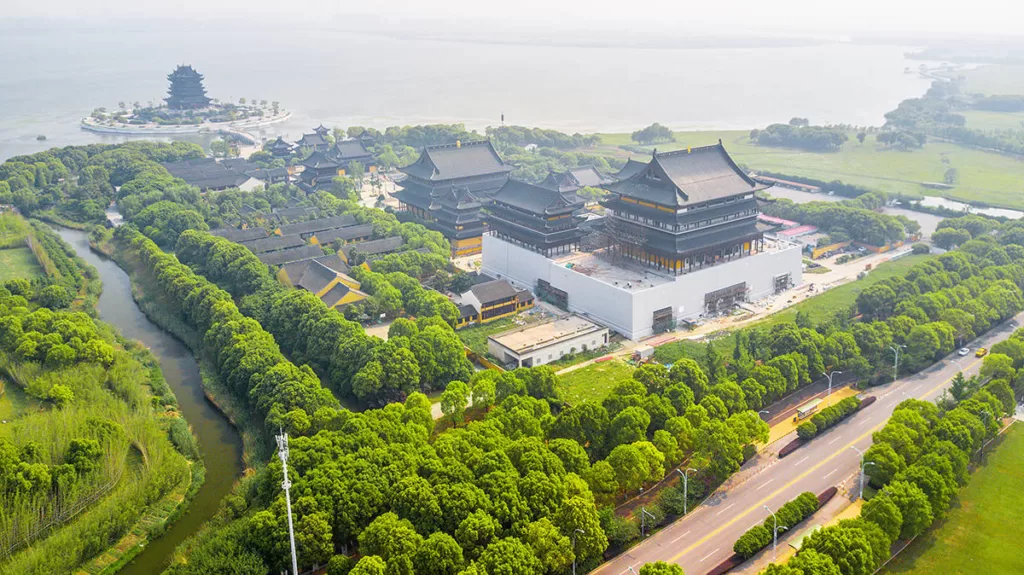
629	426
653	376
938	490
661	568
914	507
718	444
476	531
887	464
61	395
997	366
390	538
653	133
55	297
848	548
369	565
440	554
689	373
861	136
509	556
454	401
881	511
810	562
552	548
579	513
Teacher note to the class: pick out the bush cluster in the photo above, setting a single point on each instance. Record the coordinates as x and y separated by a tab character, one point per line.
791	513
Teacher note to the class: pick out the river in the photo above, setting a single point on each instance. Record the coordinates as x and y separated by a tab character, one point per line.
219	441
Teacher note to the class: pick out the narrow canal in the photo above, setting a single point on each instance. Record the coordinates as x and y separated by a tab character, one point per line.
219	442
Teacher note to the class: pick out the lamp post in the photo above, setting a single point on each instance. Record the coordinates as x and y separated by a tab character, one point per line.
764	411
644	514
863	467
574	548
896	365
686	498
775	532
282	452
830	376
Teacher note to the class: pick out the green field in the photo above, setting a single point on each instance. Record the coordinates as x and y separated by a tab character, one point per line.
592	383
987	177
992	121
982	532
475	337
995	79
18	263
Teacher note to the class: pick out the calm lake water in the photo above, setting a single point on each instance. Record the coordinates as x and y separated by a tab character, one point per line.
50	78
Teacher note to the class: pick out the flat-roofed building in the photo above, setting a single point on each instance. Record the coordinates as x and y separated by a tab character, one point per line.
544	343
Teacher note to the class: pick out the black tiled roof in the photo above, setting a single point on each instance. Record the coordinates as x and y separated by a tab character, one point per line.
291	255
493	291
318	161
454	161
576	178
381	246
632	167
311	140
268	173
316	277
206	173
345	234
687	176
237	235
293	213
348	150
318	225
535	199
273	244
334	262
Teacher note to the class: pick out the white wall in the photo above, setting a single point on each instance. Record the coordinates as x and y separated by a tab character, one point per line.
548	354
630	312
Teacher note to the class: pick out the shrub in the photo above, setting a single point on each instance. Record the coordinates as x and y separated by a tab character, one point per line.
828	417
755	539
807	430
791	513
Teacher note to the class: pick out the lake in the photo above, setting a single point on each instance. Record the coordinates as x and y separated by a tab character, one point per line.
51	76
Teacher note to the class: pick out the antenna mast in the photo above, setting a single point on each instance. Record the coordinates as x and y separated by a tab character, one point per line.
282	452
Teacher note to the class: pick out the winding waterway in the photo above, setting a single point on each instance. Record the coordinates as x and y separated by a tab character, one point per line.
219	441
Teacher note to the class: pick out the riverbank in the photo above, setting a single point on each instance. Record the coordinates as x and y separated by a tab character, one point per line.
150	543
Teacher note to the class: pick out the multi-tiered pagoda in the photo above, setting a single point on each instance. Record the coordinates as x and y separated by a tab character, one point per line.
684	210
447	186
186	91
537	218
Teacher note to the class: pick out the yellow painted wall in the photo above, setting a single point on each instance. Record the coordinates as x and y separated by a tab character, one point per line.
282	277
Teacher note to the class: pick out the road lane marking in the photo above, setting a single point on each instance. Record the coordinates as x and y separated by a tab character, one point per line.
710	554
801	477
838	437
763	484
680	537
803	460
724	510
830	473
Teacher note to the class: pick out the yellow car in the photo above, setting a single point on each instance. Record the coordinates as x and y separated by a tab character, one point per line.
981	352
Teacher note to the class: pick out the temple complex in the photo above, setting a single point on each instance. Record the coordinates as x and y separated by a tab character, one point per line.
186	91
575	179
447	186
318	170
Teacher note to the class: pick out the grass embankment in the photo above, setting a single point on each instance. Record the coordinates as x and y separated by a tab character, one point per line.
591	384
16	259
987	177
981	534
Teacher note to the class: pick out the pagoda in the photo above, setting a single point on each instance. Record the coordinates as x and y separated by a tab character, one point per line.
186	91
535	217
448	184
684	210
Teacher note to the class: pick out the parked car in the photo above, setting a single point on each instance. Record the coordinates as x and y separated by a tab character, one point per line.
963	351
981	352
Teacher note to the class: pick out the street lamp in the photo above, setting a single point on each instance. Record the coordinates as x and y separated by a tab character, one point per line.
896	366
863	468
644	514
685	496
775	532
830	376
574	548
282	452
764	411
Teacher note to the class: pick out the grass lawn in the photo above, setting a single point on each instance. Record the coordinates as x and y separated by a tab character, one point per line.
987	177
995	79
593	383
475	337
982	120
981	534
18	263
13	229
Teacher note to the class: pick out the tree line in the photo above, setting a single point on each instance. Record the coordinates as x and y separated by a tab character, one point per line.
853	219
801	136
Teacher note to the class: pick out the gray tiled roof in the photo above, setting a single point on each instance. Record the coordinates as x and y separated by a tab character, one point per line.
237	235
318	225
346	150
311	140
291	255
381	246
493	291
316	277
273	244
318	161
335	294
345	234
451	161
632	167
687	176
534	199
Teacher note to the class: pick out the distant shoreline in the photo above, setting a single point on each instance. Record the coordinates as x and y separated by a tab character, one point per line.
237	127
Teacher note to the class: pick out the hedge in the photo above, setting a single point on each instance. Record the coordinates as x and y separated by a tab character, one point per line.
828	417
760	536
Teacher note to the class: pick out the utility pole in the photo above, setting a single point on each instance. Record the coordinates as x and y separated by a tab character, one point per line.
830	376
863	467
775	533
896	366
644	514
282	452
686	498
578	530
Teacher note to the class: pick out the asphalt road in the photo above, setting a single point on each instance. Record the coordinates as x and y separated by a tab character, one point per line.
704	538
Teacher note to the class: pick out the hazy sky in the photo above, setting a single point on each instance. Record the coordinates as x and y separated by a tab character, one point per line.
706	16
